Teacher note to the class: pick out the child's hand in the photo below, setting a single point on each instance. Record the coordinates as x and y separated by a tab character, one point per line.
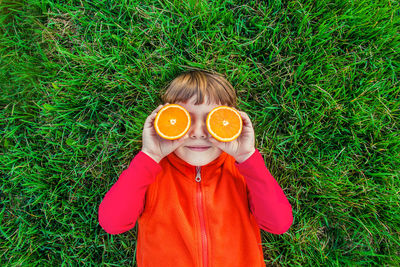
154	145
242	147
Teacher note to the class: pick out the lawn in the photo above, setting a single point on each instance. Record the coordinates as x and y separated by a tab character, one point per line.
319	80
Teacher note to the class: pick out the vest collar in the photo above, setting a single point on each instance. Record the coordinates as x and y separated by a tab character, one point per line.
189	170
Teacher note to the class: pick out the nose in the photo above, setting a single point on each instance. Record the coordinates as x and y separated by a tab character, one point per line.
198	129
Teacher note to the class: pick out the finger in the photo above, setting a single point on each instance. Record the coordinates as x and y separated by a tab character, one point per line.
157	109
154	113
246	118
150	119
244	114
215	142
183	139
186	136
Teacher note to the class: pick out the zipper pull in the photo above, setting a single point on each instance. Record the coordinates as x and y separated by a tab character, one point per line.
198	175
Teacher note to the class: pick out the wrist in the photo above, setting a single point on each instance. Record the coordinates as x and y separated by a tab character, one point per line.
154	157
244	157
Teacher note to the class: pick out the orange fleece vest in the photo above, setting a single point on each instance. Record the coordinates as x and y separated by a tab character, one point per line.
198	223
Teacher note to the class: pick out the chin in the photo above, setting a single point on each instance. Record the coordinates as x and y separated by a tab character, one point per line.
198	158
198	162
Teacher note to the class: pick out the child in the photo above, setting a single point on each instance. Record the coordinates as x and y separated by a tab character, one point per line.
198	201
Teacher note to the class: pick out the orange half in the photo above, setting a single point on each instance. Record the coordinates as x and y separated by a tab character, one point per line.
224	123
172	121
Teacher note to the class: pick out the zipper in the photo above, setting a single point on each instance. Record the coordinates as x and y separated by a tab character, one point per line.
199	197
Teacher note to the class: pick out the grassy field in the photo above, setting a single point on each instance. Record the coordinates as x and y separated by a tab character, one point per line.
319	79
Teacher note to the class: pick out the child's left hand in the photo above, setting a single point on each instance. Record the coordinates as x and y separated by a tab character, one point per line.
242	147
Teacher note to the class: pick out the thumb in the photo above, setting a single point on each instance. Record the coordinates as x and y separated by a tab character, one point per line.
183	138
214	141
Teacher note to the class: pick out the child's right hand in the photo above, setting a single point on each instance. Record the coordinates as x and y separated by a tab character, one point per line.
154	145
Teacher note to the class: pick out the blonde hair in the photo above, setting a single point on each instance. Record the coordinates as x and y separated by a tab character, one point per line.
200	83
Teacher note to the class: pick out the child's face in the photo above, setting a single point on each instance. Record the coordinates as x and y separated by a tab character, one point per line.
198	135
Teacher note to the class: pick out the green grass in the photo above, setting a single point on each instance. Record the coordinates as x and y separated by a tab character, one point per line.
319	79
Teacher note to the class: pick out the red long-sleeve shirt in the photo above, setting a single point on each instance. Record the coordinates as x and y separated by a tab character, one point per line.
125	201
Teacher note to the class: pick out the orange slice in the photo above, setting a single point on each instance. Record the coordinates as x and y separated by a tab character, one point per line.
224	123
172	121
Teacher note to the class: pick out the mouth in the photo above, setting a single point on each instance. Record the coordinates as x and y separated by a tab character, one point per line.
198	148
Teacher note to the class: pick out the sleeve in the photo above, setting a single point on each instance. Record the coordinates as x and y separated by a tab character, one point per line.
267	200
124	202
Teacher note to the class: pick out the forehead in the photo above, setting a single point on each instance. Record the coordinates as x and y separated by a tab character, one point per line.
205	107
